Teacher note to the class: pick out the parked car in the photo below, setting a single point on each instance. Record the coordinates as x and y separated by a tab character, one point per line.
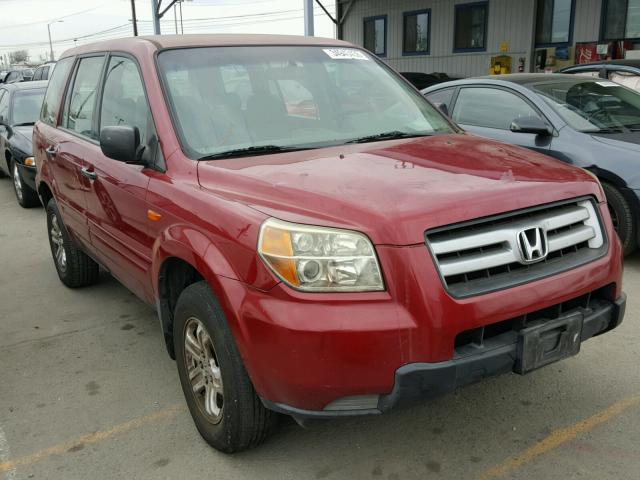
342	264
15	76
590	123
20	105
624	72
44	71
423	80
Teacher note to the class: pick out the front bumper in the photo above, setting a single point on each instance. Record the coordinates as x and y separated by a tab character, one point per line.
28	175
421	381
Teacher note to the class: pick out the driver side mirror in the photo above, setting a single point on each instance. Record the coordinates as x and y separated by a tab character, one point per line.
442	107
122	143
531	124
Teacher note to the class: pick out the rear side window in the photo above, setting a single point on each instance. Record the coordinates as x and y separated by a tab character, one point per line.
81	102
38	74
490	107
4	105
51	104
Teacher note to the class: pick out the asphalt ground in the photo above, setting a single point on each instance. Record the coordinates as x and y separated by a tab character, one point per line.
87	391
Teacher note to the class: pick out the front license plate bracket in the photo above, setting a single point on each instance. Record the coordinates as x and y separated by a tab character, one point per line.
554	340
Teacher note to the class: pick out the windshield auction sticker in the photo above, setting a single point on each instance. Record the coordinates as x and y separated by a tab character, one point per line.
345	54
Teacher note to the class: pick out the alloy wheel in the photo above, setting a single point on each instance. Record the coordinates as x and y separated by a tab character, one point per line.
203	370
17	181
58	244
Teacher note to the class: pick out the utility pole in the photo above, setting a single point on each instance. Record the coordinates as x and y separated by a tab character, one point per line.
175	17
181	26
308	18
155	15
50	43
133	18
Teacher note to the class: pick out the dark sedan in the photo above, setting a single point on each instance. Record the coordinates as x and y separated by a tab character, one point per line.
589	122
20	105
625	72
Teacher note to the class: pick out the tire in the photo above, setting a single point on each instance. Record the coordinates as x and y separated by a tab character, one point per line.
75	268
25	195
622	216
241	421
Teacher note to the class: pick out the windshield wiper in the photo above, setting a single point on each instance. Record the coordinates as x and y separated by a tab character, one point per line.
392	135
606	130
24	124
255	150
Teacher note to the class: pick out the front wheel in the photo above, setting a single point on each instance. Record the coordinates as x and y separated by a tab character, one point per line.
622	216
220	396
26	196
75	268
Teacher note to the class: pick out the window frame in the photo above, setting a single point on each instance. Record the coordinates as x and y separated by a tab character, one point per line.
465	6
386	33
518	94
98	112
62	100
71	81
569	43
409	53
603	24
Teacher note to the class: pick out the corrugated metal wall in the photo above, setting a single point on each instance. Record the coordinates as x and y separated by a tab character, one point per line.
512	21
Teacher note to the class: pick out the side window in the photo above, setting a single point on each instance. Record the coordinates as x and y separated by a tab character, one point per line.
37	75
124	103
45	73
11	77
80	105
4	105
123	98
51	104
588	73
442	98
490	107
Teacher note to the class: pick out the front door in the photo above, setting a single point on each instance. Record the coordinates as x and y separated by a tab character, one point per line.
115	191
489	111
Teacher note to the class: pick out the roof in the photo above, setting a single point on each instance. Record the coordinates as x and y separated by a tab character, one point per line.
202	40
25	85
627	62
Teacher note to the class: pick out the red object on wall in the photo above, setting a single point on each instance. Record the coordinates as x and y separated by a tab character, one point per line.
586	52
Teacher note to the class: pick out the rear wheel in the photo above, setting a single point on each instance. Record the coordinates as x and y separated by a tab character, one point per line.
622	217
222	401
26	196
75	268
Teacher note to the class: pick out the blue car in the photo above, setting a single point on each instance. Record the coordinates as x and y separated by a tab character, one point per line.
592	123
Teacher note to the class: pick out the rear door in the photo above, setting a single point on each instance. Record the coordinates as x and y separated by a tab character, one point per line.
4	114
116	192
488	111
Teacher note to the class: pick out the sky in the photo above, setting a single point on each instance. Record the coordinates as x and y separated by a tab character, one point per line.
23	23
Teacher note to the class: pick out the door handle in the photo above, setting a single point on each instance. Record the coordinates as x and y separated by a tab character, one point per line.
51	151
88	173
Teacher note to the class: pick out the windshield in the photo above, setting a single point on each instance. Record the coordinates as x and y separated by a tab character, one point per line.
232	98
593	106
26	106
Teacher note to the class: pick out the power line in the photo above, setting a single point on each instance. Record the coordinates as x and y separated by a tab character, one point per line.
43	22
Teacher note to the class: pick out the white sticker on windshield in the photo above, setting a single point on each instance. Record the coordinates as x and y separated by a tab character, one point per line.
607	84
345	54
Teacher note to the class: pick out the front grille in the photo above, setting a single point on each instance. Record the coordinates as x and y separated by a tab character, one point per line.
469	341
486	255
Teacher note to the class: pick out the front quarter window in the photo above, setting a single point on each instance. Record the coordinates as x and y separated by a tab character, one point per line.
226	99
55	88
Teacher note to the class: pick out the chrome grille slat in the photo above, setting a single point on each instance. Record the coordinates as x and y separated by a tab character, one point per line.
476	256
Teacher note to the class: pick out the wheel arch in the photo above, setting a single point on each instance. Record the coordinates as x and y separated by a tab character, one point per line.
45	193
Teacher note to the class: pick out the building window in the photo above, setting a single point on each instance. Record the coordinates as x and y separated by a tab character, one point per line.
375	35
471	27
621	19
554	22
416	32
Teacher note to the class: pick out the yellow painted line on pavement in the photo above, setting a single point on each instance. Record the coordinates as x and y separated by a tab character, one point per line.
91	438
558	438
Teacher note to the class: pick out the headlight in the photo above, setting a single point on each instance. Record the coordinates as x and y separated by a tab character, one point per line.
319	259
30	161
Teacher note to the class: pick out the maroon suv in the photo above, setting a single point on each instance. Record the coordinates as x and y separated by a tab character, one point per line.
317	239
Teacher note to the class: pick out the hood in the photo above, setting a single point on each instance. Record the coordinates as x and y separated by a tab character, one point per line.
21	139
395	190
627	141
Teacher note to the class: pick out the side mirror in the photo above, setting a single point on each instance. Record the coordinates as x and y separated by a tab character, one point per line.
531	124
121	143
442	107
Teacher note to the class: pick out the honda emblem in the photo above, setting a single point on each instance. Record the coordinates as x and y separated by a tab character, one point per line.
533	245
